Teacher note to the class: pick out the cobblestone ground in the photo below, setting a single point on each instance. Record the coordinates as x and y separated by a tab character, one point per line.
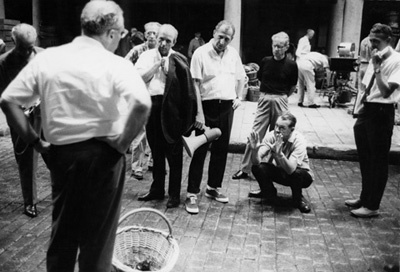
243	235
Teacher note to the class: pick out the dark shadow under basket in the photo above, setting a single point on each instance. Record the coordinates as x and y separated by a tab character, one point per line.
137	246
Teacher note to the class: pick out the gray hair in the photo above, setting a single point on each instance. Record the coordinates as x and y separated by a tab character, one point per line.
290	117
100	16
150	24
23	32
170	27
227	23
281	36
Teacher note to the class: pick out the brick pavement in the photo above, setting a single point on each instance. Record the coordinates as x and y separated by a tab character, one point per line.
243	235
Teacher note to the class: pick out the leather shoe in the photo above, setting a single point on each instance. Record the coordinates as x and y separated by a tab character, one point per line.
364	212
303	206
256	193
30	210
240	175
391	268
353	203
300	105
137	175
173	202
150	196
314	106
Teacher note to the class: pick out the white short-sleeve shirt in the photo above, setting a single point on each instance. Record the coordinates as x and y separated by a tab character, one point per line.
84	90
218	75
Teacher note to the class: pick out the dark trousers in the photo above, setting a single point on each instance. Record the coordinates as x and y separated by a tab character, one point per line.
373	135
87	185
217	113
267	173
27	160
161	149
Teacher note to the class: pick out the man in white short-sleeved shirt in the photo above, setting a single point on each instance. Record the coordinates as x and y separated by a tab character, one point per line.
218	76
93	103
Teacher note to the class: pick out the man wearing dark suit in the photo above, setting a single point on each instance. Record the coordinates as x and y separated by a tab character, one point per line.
174	107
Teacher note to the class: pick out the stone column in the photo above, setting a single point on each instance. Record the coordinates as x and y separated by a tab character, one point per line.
352	22
336	28
36	17
2	11
233	13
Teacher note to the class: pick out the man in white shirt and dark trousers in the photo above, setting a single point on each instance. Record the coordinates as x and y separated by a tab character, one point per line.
374	126
218	75
93	103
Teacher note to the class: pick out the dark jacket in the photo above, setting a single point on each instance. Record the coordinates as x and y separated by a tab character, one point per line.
179	107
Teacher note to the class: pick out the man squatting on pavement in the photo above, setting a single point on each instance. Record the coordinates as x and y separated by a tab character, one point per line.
374	126
11	63
278	76
167	76
281	157
218	75
93	104
139	144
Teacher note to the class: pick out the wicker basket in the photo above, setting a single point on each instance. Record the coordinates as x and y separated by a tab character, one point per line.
137	248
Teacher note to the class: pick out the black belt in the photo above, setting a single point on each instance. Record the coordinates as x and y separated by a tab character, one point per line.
378	106
218	101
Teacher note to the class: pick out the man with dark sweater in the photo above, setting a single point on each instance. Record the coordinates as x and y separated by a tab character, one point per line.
278	76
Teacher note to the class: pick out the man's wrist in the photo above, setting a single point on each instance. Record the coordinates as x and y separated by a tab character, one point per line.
35	141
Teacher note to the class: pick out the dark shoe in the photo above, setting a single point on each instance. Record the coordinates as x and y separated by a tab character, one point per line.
173	202
302	205
391	268
300	105
256	194
150	196
353	203
137	175
314	106
240	175
30	210
216	195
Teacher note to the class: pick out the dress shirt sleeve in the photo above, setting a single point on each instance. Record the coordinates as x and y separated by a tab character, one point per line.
196	65
240	72
144	62
299	150
23	90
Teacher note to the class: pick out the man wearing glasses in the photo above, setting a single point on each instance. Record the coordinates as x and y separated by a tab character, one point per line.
93	104
278	76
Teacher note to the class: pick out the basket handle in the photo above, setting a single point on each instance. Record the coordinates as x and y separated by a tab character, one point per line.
147	210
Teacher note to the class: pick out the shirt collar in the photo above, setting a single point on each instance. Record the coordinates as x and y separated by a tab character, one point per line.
214	53
87	40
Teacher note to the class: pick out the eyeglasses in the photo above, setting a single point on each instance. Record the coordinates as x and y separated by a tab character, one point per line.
123	32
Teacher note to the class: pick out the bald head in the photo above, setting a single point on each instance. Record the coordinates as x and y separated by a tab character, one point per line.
99	16
24	37
23	33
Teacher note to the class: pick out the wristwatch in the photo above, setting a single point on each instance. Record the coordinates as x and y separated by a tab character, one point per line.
377	70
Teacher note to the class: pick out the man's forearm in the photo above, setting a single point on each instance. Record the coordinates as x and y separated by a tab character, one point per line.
239	88
288	166
18	121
